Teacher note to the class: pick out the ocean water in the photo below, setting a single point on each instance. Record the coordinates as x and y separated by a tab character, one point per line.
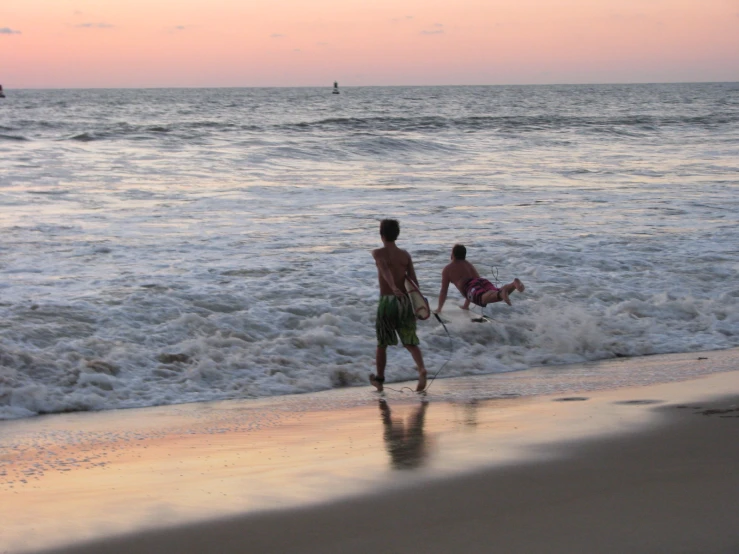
168	246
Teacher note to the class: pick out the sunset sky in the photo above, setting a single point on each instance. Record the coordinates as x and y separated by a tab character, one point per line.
200	43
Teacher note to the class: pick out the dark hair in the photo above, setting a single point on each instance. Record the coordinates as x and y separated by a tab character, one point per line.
459	252
390	229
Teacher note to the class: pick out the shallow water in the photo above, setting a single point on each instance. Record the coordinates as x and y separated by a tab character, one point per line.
165	246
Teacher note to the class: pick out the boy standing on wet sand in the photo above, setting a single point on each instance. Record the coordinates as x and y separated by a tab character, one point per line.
395	315
474	288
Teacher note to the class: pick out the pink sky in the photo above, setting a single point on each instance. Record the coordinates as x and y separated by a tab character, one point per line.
194	43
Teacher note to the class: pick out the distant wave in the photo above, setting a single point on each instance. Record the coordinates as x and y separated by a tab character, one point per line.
13	137
514	123
626	125
184	131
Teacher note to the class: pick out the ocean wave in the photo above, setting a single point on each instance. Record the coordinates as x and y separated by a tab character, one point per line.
59	358
360	146
378	146
228	256
82	137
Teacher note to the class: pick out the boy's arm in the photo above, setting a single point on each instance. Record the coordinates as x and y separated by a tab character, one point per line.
411	272
443	291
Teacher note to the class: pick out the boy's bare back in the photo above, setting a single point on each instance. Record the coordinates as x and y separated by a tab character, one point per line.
459	272
398	262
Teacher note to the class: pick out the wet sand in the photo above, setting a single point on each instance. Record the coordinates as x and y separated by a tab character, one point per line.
639	469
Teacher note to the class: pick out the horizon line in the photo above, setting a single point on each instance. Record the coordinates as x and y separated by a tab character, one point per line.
200	87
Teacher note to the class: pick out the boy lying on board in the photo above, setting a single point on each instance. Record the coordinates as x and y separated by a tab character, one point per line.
474	288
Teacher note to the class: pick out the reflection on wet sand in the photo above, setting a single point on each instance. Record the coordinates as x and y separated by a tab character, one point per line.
470	413
404	439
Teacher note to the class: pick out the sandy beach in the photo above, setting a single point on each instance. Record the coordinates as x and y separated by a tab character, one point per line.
637	469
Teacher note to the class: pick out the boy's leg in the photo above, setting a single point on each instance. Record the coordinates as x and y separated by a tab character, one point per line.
385	331
504	292
380	363
493	296
418	358
407	333
516	284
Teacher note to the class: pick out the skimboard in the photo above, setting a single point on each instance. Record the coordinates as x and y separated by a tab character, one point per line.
481	319
418	301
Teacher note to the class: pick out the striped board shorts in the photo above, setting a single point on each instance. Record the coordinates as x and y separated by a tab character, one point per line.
476	288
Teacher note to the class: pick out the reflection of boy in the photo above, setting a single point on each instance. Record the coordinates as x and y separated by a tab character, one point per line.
474	288
405	442
395	316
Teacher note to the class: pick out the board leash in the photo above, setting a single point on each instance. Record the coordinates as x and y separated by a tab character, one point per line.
451	351
494	274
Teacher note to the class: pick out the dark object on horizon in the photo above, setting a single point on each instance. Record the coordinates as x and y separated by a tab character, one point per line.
2	94
336	87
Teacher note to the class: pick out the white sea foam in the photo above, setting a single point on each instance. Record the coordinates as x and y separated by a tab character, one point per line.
229	256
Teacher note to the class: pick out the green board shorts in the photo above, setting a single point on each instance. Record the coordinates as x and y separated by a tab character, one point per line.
395	318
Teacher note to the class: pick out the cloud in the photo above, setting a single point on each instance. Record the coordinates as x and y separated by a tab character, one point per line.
401	19
8	31
276	35
179	28
94	26
437	30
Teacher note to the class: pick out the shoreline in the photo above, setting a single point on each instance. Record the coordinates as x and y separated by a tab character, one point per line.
158	478
540	380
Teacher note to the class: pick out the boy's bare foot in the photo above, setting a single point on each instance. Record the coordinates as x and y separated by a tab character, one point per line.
376	381
504	296
421	381
519	285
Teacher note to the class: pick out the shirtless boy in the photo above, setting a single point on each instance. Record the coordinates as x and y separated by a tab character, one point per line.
395	316
474	288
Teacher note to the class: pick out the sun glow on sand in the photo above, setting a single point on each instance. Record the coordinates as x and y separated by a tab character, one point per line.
131	43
